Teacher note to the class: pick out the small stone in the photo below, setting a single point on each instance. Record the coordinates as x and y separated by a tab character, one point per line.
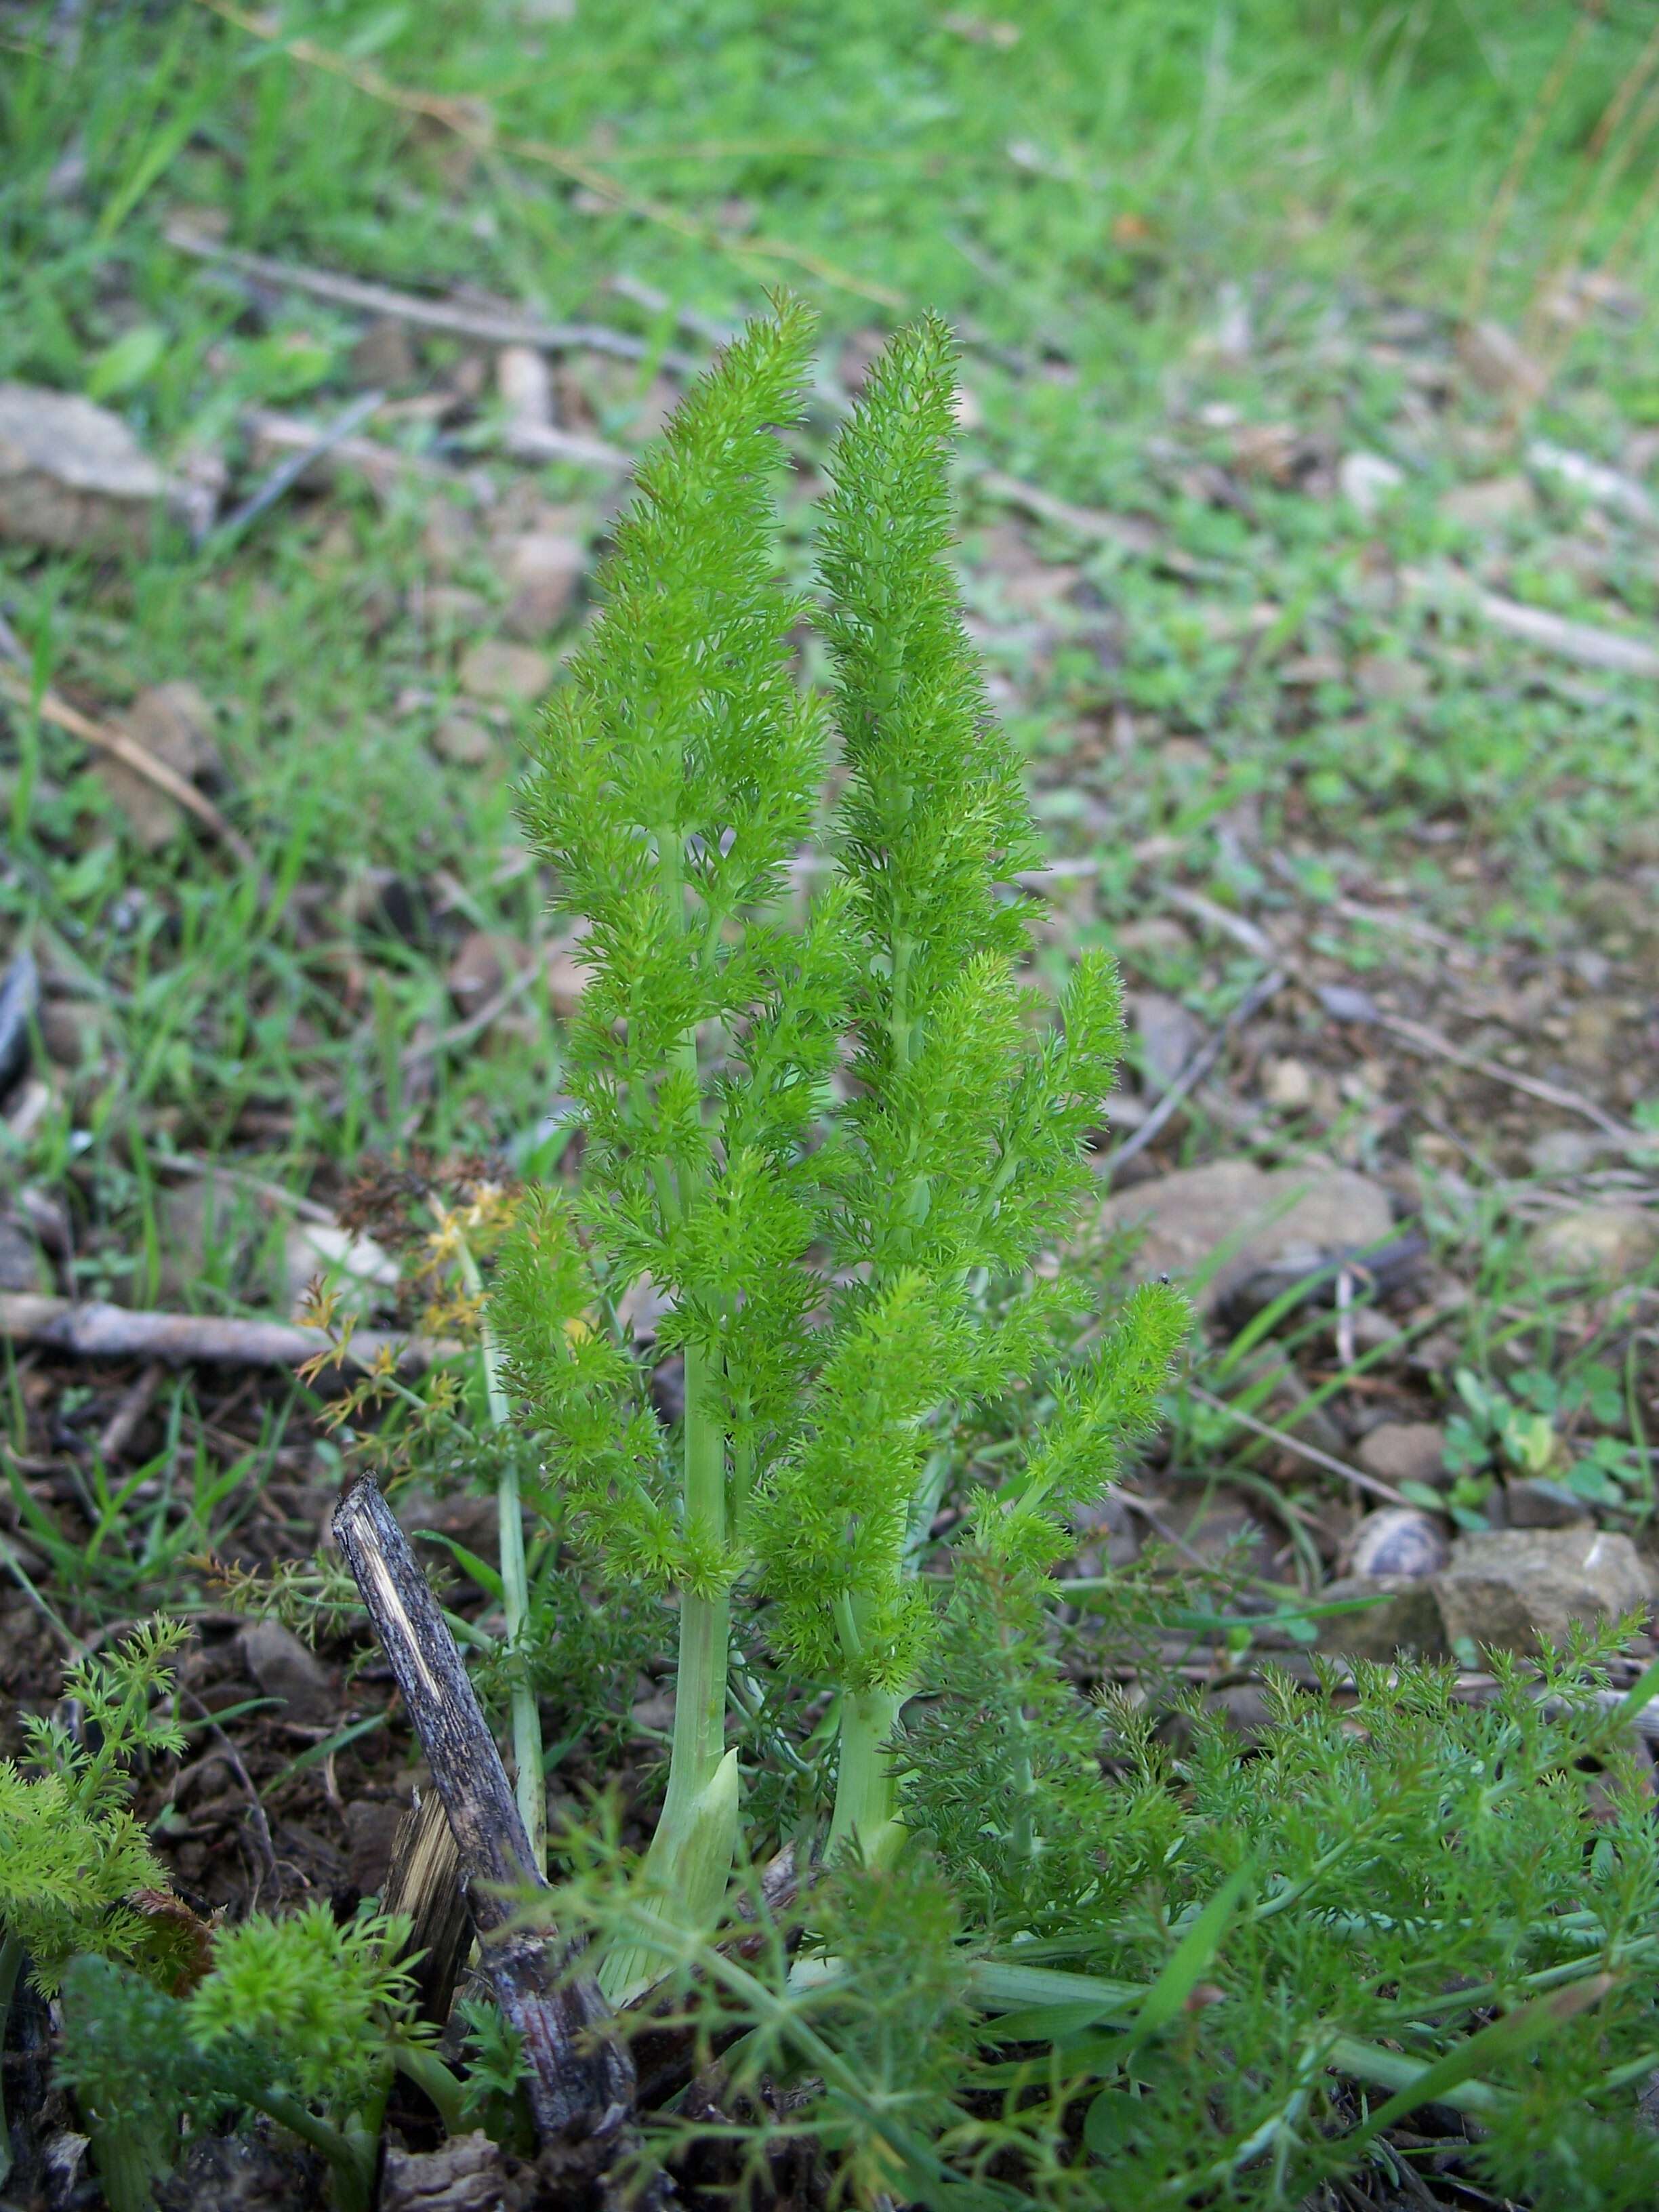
174	722
448	536
1543	1506
509	673
71	1030
23	1266
1566	1152
541	571
1611	1243
1267	1219
1156	937
1404	1616
1169	1036
1367	482
1223	1532
567	979
481	963
1405	1451
1491	504
464	740
452	609
1513	1589
357	1267
1288	1084
1389	676
72	475
524	383
384	356
372	1825
1399	1544
1496	360
286	1670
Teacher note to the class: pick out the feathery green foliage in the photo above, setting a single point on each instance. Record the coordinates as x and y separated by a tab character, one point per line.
819	1145
71	1855
302	2017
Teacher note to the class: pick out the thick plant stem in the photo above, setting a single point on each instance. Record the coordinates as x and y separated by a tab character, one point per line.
690	1863
865	1818
530	1781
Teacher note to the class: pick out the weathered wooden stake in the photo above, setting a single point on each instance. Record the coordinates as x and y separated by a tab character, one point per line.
581	2078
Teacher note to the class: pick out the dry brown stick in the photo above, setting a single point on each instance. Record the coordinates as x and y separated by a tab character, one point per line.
51	708
450	317
1419	1037
1587	644
97	1331
1195	1070
581	2078
1356	1475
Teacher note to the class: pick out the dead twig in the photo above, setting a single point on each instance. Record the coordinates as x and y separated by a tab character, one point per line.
382	466
289	471
1195	1070
1356	1475
51	708
451	317
1584	643
543	442
257	1821
1354	1006
135	1401
97	1331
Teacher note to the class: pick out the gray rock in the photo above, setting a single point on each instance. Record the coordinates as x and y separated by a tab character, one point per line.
1399	1544
1267	1218
1367	480
1512	1588
285	1670
174	722
1405	1617
72	475
1609	1243
1405	1451
1490	505
1543	1506
1566	1152
510	673
1169	1036
542	570
23	1265
464	741
372	1825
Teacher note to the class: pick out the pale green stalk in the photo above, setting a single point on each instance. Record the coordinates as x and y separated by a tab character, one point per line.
530	1780
688	1864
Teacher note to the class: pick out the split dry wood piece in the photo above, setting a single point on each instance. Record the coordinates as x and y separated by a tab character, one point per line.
581	2079
58	711
453	318
425	1882
97	1331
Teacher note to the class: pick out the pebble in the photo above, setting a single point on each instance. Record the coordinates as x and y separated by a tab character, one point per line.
1610	1242
1513	1588
1399	1544
509	673
1405	1451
